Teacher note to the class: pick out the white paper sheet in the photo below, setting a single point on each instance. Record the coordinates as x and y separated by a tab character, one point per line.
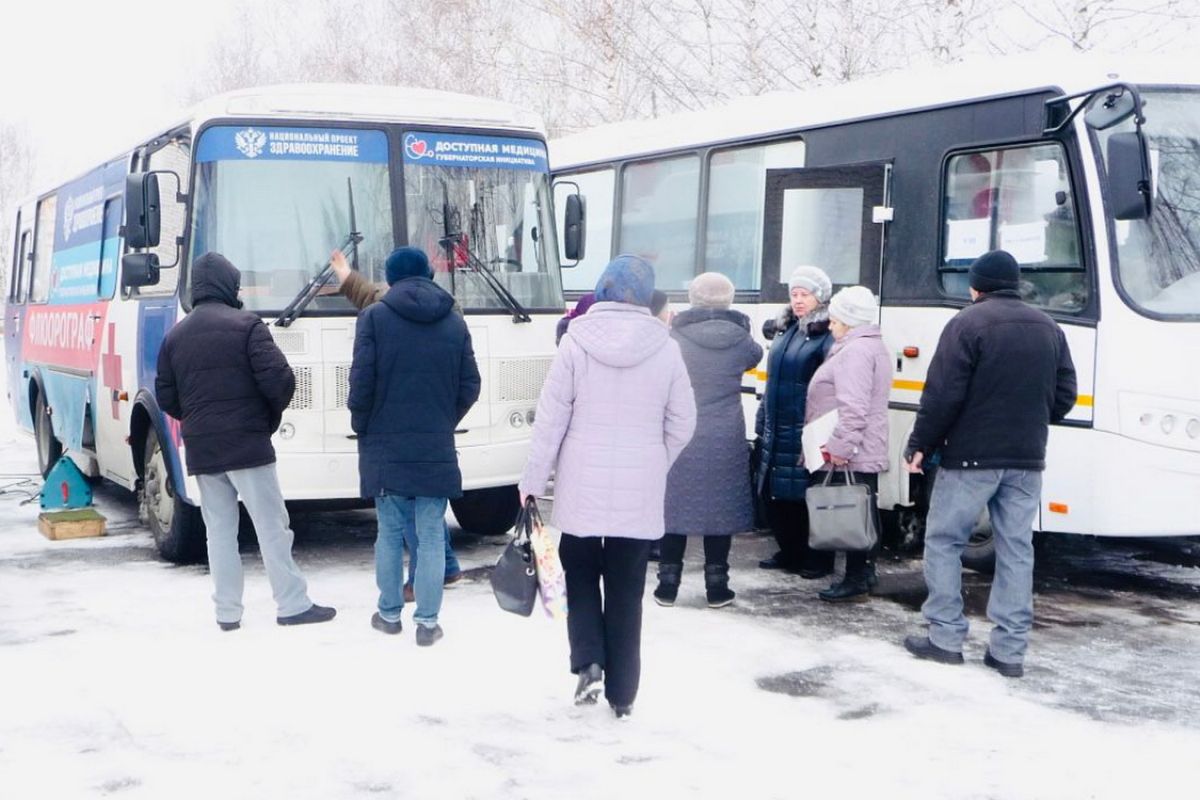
817	433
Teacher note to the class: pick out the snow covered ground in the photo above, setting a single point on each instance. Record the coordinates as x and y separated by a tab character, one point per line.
114	680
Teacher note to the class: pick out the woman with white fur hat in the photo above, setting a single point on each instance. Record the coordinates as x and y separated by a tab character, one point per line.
798	348
855	381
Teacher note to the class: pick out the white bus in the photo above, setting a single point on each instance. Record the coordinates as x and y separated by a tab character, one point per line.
1088	172
276	179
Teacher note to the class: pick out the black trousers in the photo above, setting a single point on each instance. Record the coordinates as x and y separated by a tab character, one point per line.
716	549
789	524
606	629
858	561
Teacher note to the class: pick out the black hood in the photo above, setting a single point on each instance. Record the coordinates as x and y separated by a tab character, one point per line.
418	299
712	328
215	280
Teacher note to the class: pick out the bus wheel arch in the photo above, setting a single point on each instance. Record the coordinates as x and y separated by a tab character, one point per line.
176	526
49	448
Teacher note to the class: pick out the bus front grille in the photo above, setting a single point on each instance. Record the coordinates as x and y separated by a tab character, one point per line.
302	400
341	385
521	380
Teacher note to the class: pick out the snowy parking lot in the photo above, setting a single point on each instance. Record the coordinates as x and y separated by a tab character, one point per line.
115	681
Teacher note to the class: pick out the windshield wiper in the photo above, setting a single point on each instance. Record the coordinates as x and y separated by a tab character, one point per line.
452	241
310	291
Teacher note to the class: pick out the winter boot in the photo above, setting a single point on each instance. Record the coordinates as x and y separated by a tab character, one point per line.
669	576
854	588
591	684
716	585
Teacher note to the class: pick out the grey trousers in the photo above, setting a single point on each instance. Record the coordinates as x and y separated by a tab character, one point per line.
259	489
1011	497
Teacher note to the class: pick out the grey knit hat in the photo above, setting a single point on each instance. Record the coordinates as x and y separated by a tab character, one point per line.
710	290
814	280
854	306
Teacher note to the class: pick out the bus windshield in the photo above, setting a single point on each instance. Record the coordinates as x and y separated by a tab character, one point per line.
276	203
1159	257
482	204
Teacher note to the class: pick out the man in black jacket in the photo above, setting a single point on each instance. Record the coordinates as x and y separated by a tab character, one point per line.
1001	374
222	375
412	381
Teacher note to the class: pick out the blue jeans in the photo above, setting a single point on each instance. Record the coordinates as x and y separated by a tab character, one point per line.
410	544
1012	498
423	519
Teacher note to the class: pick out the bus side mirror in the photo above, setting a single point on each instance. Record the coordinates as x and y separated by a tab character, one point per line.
575	228
143	213
139	269
1129	187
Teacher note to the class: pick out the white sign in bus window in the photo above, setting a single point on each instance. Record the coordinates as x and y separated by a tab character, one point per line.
822	228
967	239
1026	242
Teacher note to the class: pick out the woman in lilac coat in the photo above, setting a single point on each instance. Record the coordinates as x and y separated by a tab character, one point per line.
615	412
855	381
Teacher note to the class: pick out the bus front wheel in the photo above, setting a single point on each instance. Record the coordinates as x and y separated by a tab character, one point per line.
177	527
49	448
489	512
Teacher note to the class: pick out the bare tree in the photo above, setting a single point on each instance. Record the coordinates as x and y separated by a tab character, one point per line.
1086	24
16	180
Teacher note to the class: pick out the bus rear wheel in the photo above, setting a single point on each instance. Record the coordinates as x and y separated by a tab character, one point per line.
177	527
489	512
49	448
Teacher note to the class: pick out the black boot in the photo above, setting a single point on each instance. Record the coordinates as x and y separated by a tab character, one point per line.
716	585
854	588
669	576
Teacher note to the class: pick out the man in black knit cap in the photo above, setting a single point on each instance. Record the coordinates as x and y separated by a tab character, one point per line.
1001	374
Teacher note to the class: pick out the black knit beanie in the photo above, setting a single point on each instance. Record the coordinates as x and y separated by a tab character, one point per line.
994	271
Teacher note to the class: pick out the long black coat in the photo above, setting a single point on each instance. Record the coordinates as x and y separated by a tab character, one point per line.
795	354
222	375
1001	374
708	487
412	381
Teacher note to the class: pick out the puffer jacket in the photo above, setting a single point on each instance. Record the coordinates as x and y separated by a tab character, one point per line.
855	379
615	412
795	354
413	378
221	373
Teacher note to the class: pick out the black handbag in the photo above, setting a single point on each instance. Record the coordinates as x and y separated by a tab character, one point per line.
514	578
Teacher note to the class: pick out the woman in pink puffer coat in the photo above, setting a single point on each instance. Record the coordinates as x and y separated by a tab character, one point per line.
615	412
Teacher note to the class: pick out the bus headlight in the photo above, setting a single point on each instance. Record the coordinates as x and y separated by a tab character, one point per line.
1168	423
529	417
287	430
1193	428
516	419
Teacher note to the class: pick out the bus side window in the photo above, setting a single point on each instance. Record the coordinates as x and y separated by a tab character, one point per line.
175	157
1018	199
21	269
43	250
110	249
659	210
597	189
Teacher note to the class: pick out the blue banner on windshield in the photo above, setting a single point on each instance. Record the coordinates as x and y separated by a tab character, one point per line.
243	143
486	152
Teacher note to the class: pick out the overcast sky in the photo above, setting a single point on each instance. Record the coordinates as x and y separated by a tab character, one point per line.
86	78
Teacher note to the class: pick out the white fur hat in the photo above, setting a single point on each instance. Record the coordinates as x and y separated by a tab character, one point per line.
710	290
854	306
814	280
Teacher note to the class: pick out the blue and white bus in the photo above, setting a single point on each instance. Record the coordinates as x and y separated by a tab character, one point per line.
276	179
1086	169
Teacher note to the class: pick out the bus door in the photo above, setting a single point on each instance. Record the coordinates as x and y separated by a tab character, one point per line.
15	313
828	217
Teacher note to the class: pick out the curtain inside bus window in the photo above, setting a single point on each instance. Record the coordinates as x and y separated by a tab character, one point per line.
736	184
1019	200
659	201
597	190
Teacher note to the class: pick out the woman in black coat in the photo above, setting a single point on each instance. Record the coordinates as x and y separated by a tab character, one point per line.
801	342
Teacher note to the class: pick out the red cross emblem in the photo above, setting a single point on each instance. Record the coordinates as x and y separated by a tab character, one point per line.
111	363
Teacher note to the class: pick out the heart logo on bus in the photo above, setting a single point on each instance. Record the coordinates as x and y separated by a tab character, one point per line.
416	148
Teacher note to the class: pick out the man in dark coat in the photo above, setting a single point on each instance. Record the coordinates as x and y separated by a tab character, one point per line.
412	381
1001	374
221	374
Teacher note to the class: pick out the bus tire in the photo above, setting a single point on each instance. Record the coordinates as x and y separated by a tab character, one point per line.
177	526
49	448
980	553
489	512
